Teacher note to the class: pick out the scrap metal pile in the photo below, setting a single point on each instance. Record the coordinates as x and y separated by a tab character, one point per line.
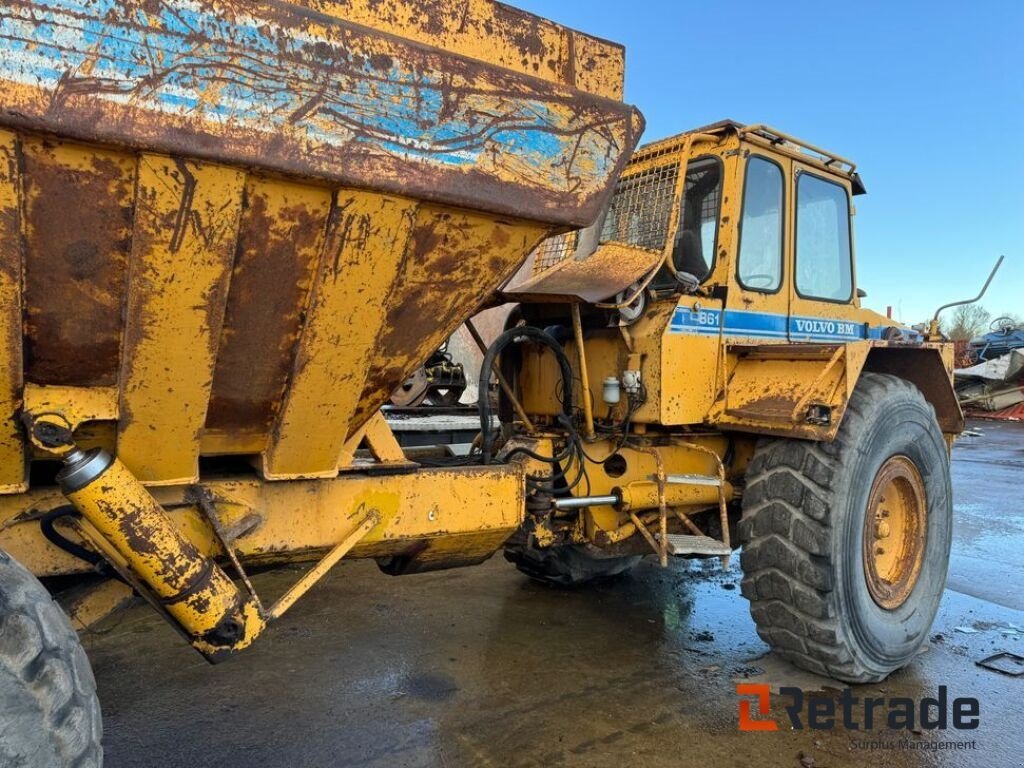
994	388
1005	334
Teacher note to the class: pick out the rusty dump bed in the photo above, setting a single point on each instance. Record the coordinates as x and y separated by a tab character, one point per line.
235	227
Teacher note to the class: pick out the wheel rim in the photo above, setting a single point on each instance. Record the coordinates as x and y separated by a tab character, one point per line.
894	532
413	390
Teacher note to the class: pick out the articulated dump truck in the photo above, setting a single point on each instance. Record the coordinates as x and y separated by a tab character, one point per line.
229	230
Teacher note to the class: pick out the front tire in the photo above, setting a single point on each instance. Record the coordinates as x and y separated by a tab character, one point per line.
50	713
846	544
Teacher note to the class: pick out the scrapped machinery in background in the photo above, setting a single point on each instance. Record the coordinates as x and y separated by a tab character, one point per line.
228	232
439	381
1005	334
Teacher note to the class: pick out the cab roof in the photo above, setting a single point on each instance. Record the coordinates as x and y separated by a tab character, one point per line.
764	135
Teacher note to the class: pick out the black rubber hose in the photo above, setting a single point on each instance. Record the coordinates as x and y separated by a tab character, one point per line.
516	336
46	524
55	537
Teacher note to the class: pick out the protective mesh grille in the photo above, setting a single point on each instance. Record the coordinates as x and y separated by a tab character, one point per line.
640	210
554	250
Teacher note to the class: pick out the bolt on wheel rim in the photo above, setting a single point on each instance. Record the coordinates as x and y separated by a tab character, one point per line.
894	532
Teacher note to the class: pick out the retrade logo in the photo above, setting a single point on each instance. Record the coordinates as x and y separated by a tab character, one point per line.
853	713
762	693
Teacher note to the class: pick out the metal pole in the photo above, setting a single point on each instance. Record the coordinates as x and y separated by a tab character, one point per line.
588	406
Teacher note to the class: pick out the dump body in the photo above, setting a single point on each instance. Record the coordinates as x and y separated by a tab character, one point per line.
233	228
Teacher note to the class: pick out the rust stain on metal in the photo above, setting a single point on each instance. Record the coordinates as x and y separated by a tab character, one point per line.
771	406
186	228
893	542
363	250
594	277
13	473
474	254
305	92
194	258
280	236
78	223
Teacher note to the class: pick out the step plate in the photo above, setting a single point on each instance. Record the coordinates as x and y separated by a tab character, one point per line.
680	544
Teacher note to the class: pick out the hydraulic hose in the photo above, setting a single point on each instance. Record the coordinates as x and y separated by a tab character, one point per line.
516	336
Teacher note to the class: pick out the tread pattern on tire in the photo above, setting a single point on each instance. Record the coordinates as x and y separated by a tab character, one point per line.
786	535
39	648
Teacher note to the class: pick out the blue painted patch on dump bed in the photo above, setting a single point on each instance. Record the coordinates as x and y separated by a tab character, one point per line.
330	85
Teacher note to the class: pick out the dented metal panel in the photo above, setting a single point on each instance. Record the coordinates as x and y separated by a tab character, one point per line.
594	277
279	86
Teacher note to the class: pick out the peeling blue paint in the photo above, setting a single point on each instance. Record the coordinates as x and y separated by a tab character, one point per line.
275	79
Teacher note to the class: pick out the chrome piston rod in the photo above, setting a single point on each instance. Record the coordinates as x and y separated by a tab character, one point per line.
578	502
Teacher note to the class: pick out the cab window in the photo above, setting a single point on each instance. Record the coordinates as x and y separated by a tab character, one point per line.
760	259
694	248
824	263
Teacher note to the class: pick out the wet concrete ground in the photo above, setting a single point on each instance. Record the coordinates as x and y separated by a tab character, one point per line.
482	667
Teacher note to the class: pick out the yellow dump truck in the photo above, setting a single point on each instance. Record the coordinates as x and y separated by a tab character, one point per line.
229	230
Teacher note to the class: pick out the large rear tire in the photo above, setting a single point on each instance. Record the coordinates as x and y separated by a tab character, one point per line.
49	713
846	544
565	565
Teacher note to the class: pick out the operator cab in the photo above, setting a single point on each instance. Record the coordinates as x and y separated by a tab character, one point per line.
763	221
745	214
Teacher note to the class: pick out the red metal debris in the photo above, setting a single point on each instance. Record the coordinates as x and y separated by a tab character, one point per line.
1012	413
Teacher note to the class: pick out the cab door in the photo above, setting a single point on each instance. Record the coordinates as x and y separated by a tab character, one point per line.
823	303
760	278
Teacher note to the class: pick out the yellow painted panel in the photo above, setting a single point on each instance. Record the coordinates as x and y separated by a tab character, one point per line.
771	389
13	476
364	249
186	226
75	404
427	504
599	66
454	511
691	368
771	386
495	33
455	260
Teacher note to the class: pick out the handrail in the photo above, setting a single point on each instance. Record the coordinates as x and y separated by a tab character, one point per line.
773	135
933	329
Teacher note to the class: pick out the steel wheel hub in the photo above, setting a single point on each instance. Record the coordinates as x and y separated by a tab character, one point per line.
894	532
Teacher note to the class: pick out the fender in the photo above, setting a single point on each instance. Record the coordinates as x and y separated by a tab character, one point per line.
802	390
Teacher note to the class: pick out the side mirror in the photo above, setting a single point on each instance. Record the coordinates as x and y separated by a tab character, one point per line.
861	293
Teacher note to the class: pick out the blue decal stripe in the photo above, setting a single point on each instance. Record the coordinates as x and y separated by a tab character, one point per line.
768	325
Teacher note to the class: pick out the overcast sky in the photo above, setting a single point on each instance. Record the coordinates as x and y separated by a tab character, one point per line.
926	97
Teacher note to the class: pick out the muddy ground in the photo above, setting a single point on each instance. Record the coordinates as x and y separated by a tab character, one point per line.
482	667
